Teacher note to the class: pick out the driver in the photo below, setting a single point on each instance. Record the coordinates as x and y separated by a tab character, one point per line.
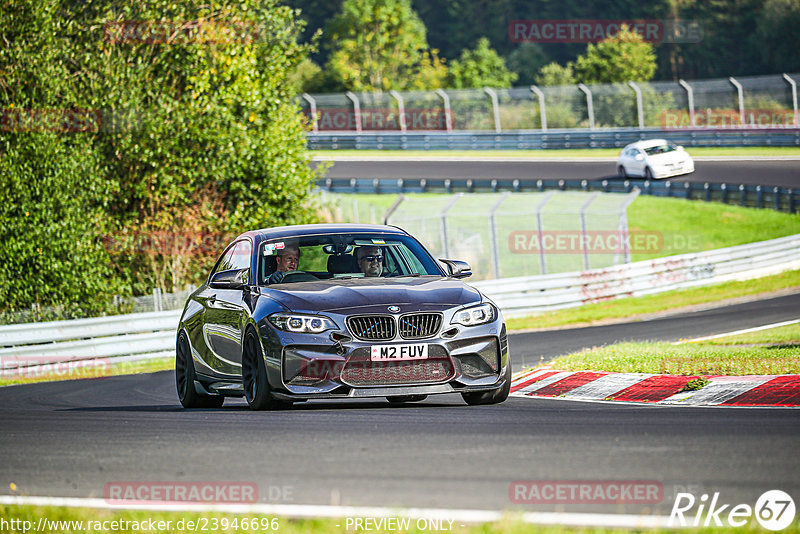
288	260
370	260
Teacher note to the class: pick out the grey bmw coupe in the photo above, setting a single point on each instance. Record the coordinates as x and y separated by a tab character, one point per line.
338	311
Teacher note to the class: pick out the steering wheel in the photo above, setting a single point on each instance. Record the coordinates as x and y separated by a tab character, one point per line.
298	276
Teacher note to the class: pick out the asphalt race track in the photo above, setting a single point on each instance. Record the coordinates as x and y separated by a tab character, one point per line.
73	438
766	172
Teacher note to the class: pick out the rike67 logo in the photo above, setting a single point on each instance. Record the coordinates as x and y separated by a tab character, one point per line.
774	510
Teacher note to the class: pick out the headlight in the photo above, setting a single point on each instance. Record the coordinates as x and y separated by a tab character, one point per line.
481	314
305	324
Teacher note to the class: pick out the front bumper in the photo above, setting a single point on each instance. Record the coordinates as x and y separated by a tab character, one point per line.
301	367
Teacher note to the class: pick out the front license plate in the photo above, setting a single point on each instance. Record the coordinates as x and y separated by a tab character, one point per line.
394	353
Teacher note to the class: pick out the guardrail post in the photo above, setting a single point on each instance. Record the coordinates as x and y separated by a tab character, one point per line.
515	185
584	240
743	194
790	192
639	103
688	187
740	91
493	234
495	108
707	190
443	216
777	193
794	99
540	230
690	98
399	200
668	188
759	196
356	109
448	185
494	186
401	109
589	104
448	121
724	189
157	299
313	104
542	109
623	226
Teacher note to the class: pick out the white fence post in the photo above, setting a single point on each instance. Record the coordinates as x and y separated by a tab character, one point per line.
447	115
740	92
313	104
639	103
589	104
356	109
794	99
401	109
690	98
542	109
495	108
493	233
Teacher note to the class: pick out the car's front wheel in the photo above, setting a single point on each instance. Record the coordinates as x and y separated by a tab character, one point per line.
622	172
648	173
491	397
185	377
254	377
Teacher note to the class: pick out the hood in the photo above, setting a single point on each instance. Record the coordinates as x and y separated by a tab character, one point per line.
340	296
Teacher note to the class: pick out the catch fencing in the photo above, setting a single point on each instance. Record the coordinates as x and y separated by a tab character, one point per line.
152	335
509	234
751	102
528	295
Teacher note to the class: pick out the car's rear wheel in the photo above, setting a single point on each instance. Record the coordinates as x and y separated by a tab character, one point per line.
648	173
254	377
491	397
622	172
400	399
185	377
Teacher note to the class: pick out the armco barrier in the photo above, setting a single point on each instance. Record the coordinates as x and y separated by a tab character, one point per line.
136	336
152	335
756	196
536	139
532	294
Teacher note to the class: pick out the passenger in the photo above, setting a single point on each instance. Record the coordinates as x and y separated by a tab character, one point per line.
370	260
288	260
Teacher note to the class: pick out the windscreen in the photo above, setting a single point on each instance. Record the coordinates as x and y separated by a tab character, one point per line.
660	149
344	256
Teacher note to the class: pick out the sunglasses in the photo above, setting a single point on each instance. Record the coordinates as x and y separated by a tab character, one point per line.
372	258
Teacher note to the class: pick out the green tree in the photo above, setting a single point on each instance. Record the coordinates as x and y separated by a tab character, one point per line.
481	67
382	45
196	132
555	74
621	58
527	60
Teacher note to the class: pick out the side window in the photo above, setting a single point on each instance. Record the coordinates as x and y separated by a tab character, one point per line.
242	254
236	257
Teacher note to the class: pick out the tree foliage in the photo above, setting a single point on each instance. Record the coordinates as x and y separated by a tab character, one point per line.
196	131
382	45
621	58
481	67
555	74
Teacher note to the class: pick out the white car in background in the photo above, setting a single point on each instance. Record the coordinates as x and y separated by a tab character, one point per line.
654	158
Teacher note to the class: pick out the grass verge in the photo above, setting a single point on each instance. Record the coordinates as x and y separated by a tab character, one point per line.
101	521
564	153
56	372
661	302
772	351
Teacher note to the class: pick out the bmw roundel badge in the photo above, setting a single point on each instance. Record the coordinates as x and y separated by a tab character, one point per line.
394	309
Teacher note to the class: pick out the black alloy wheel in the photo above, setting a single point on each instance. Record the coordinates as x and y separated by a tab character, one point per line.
185	377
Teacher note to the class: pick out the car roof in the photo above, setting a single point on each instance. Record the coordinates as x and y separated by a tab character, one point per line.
314	229
647	143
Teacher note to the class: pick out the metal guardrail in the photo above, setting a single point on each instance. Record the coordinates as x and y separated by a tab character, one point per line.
135	336
551	139
526	295
152	335
777	198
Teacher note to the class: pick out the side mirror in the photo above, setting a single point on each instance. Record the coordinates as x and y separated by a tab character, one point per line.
231	279
457	268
